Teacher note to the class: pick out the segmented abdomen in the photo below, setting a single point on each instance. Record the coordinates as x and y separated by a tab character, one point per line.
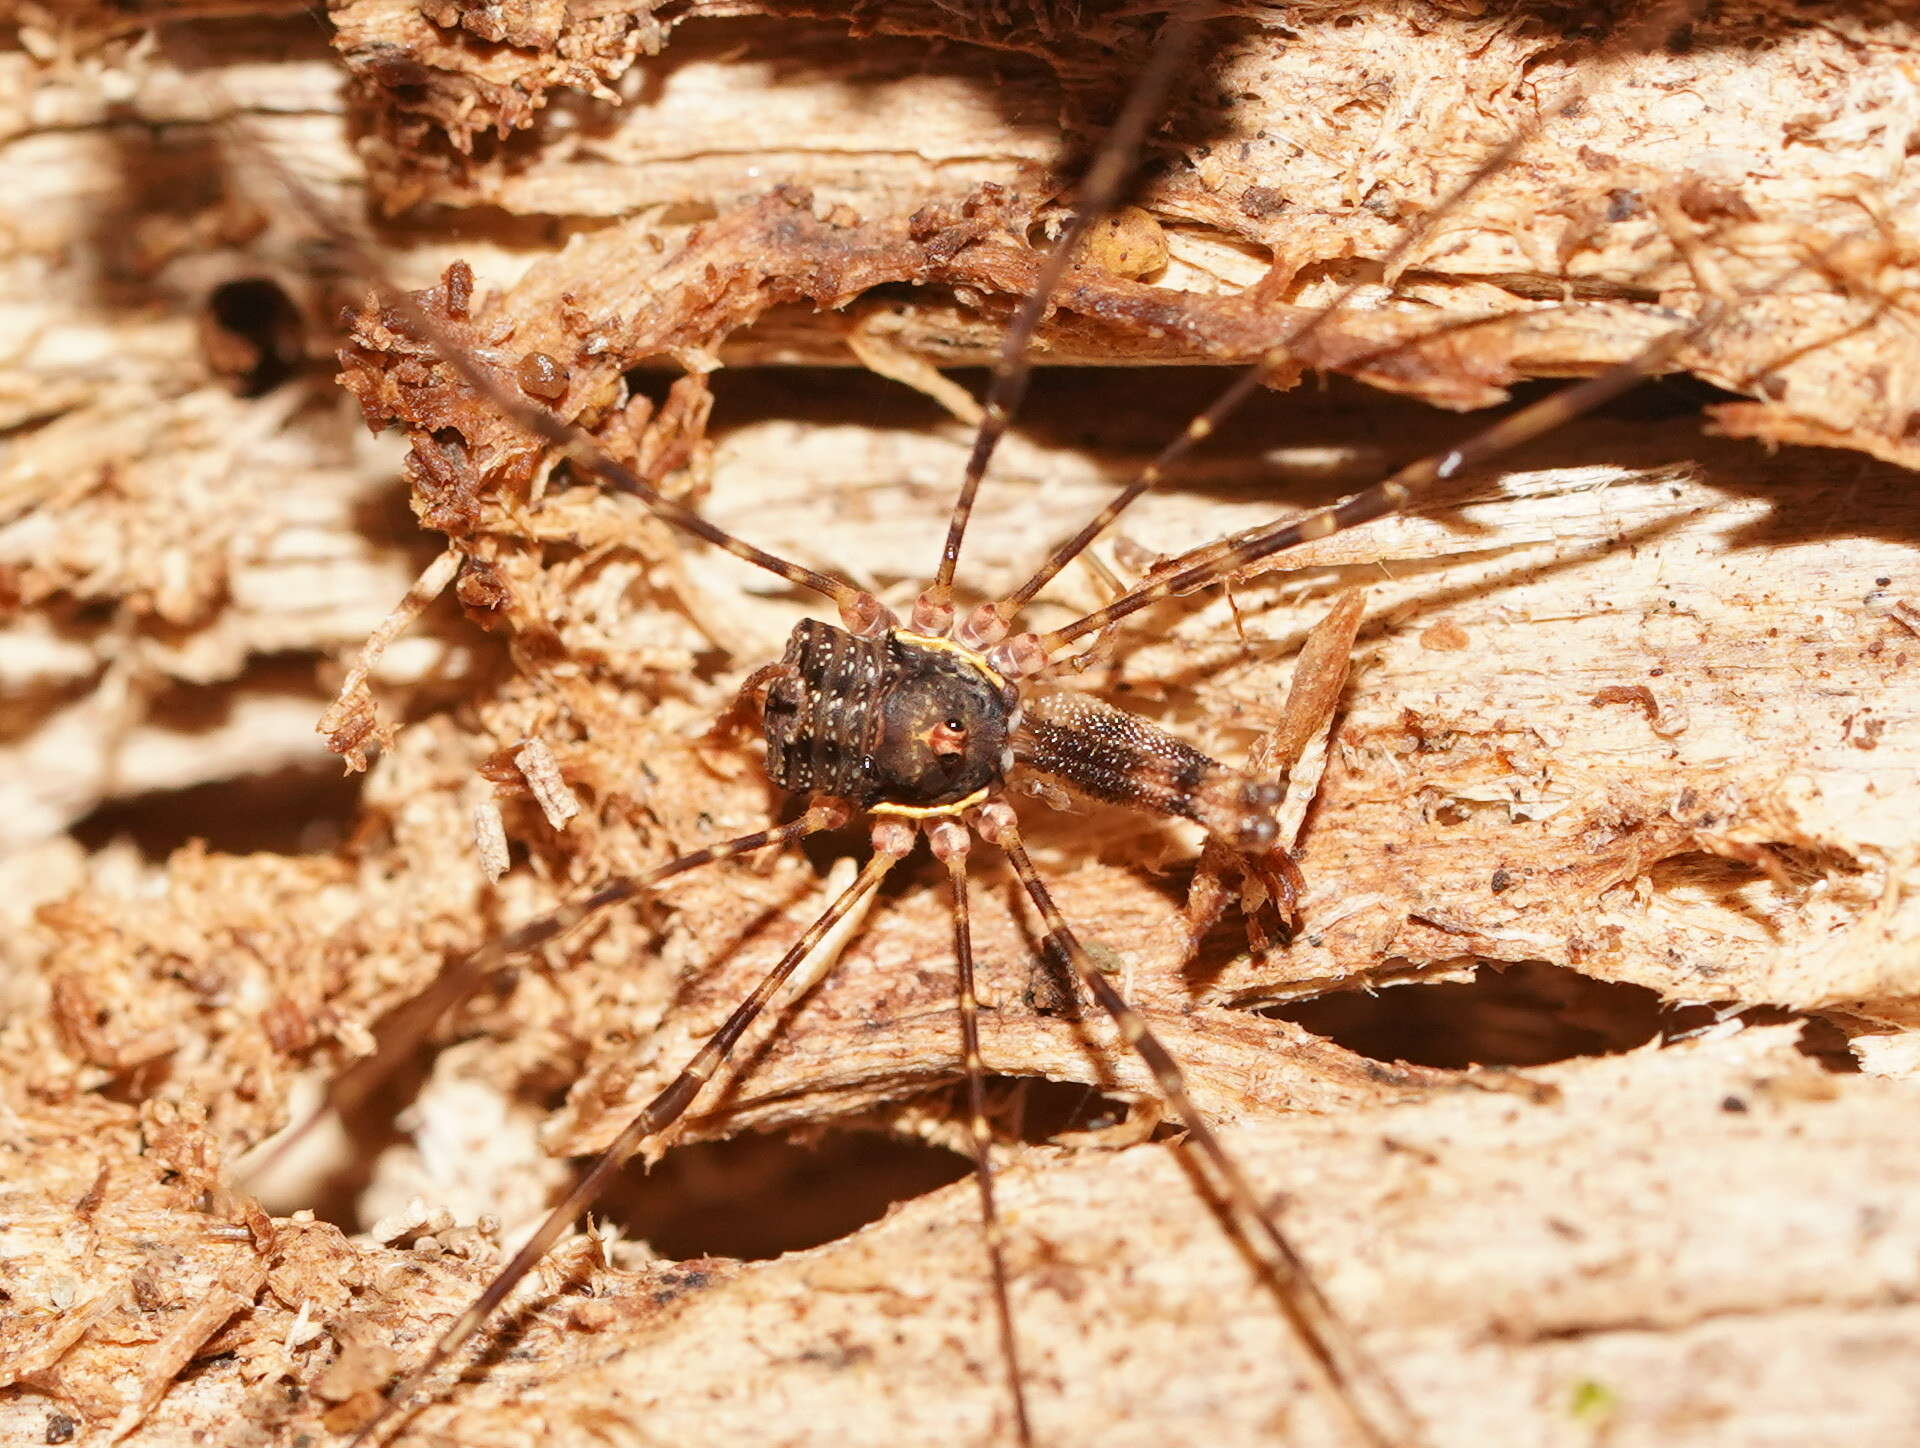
823	716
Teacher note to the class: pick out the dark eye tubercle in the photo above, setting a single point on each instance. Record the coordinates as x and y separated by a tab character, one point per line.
1258	829
943	726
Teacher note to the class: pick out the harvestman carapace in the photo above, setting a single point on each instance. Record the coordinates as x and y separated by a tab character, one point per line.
916	725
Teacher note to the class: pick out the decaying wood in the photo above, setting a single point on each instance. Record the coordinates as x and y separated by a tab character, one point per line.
1634	714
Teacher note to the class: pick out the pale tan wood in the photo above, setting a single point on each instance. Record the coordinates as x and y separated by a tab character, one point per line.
1638	707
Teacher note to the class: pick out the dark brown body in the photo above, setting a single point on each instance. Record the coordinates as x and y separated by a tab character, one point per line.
902	721
910	724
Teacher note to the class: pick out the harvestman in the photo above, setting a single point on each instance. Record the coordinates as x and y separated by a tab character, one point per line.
917	725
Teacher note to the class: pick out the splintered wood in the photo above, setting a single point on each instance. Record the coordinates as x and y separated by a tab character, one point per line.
1634	713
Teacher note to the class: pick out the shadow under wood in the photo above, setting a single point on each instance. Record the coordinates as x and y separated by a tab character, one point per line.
297	809
757	1197
1521	1015
1529	1014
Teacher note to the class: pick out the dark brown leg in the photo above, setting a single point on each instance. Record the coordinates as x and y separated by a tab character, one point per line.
1651	31
950	841
1362	1392
410	1025
1209	564
1099	190
744	711
659	1114
510	402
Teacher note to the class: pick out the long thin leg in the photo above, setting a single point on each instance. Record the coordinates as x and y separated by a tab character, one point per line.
1210	563
1653	27
1195	432
1098	191
530	416
1360	1388
411	1024
659	1114
950	840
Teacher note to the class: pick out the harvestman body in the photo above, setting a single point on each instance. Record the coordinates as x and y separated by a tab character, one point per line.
918	724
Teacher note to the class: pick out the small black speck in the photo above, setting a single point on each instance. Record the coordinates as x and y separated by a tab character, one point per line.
1733	1105
1881	582
61	1428
1622	205
1501	881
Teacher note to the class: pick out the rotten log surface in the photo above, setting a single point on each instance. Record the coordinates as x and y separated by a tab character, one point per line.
1632	714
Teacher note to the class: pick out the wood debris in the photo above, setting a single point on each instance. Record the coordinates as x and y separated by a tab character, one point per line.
1633	716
